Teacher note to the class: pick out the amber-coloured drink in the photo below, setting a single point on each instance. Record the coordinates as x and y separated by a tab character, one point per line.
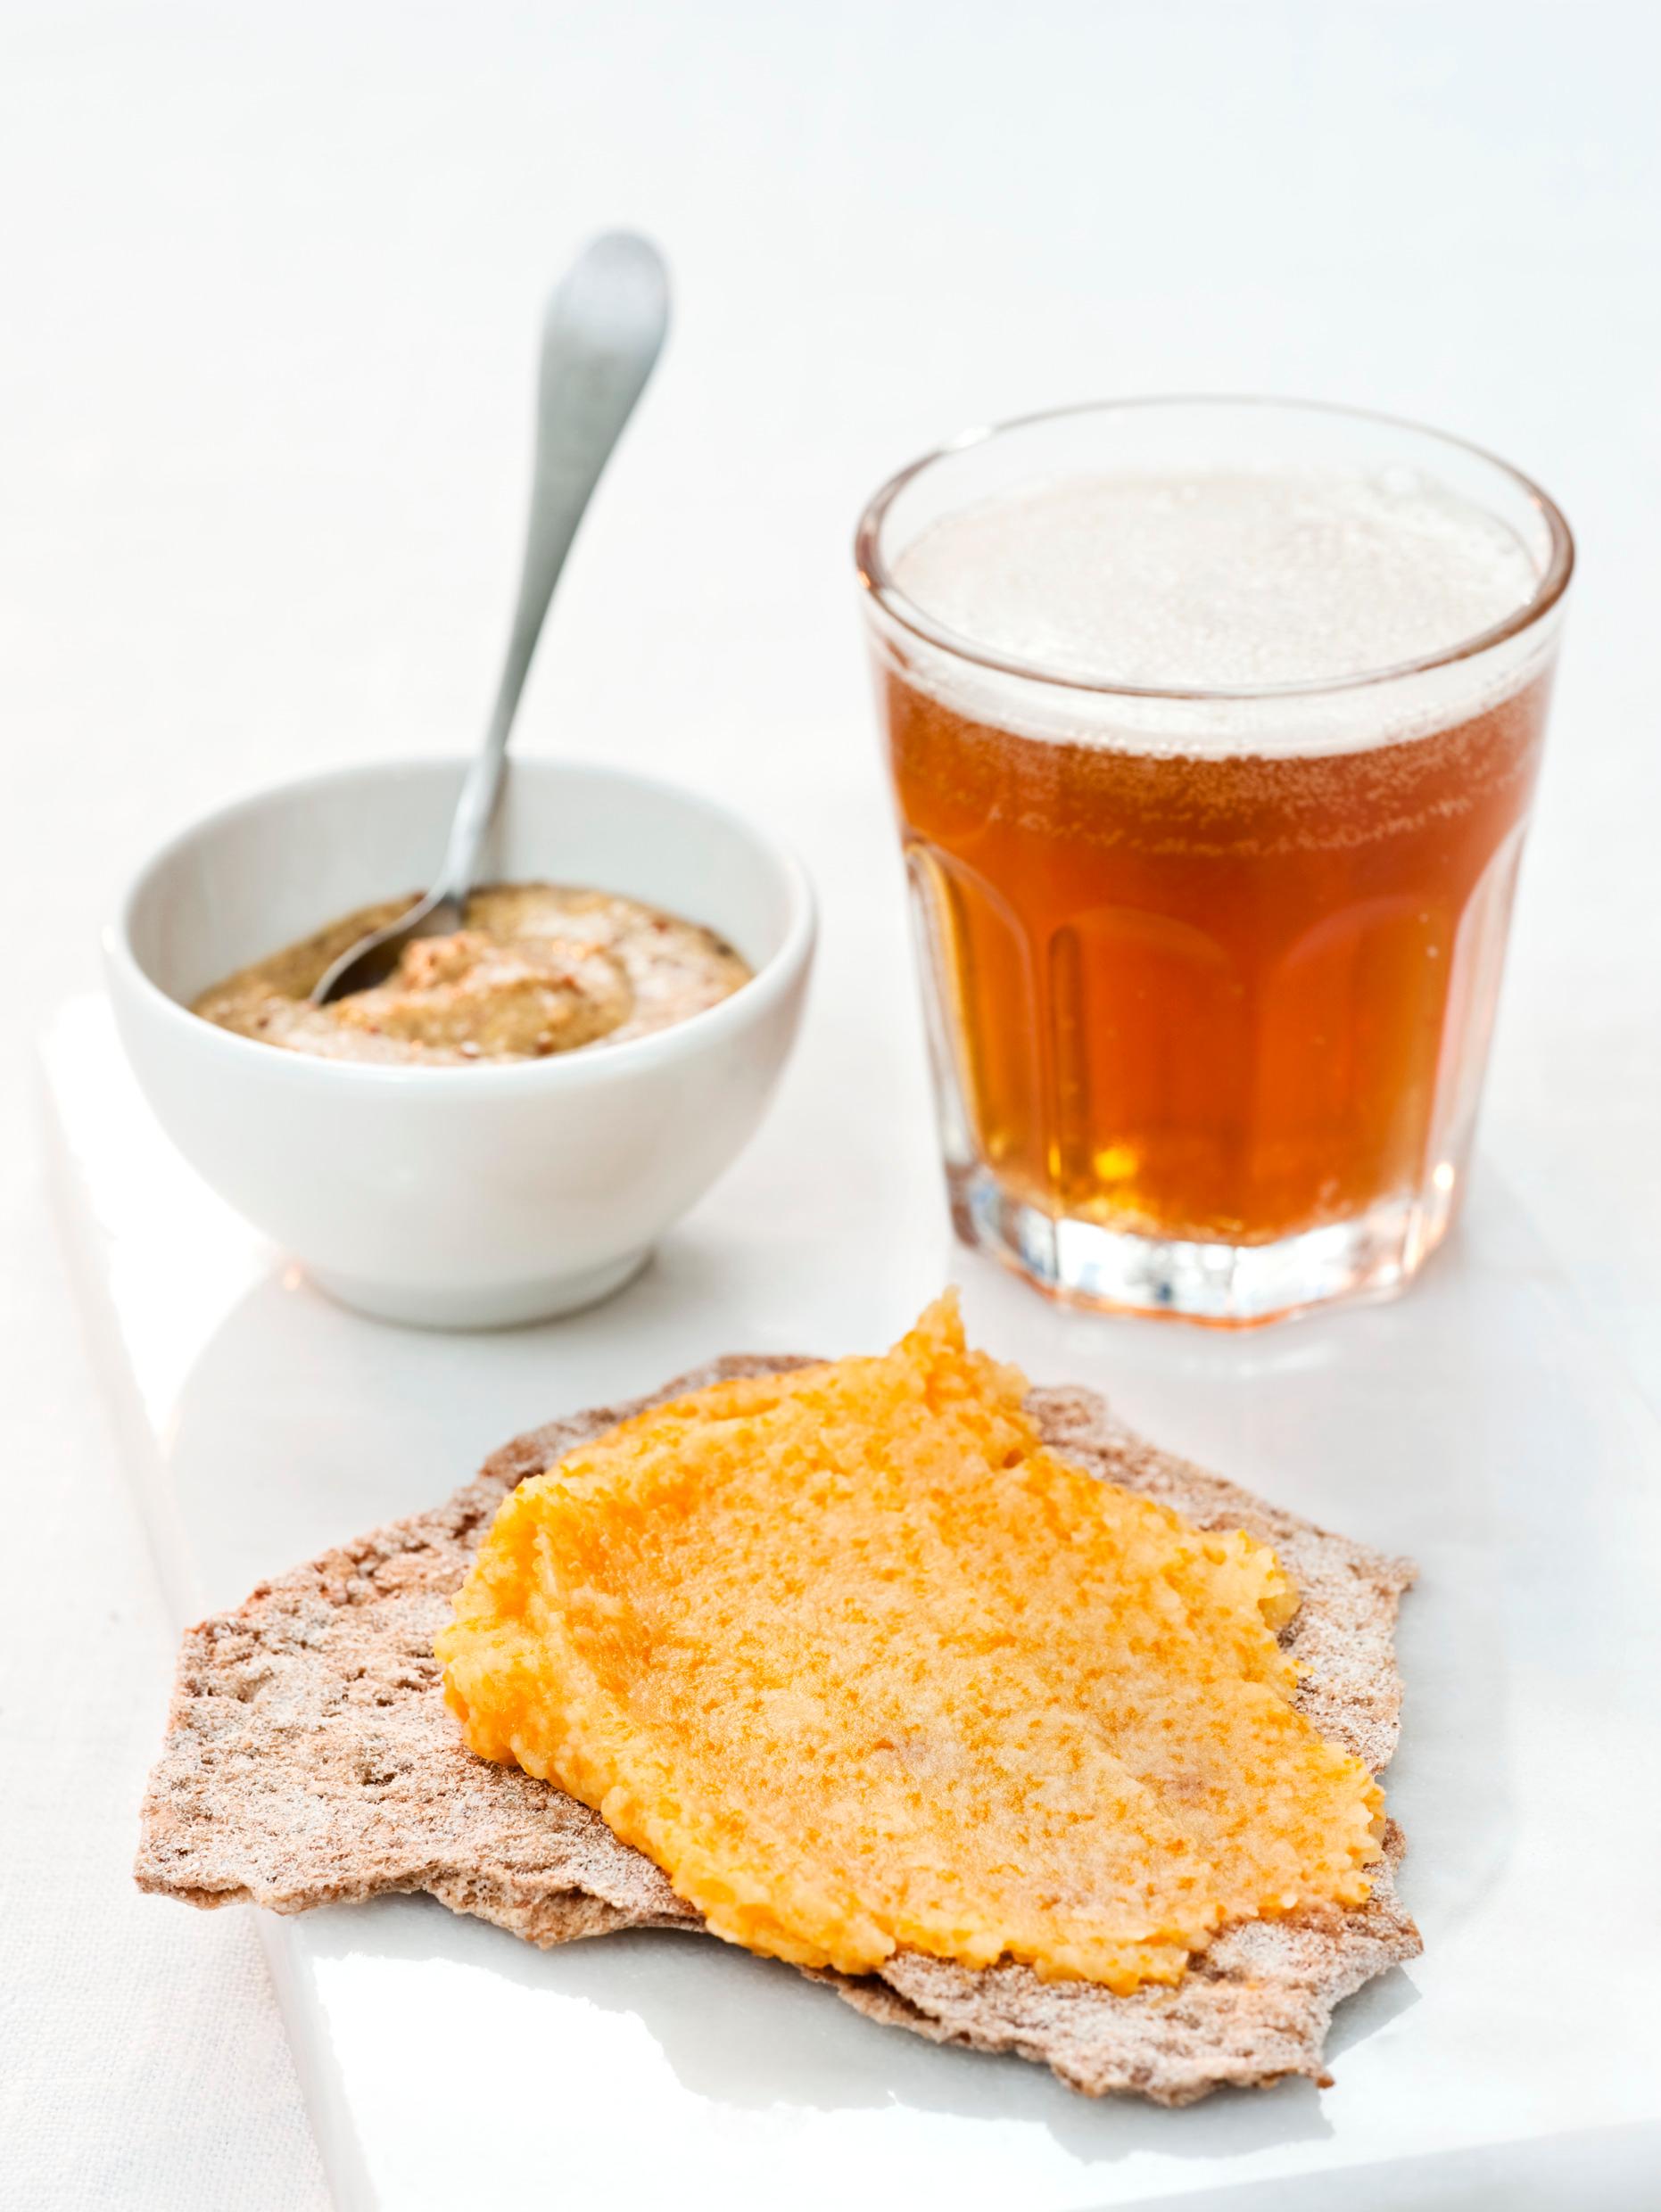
1224	1000
1213	729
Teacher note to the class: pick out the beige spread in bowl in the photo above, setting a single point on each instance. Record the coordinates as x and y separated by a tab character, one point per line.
537	969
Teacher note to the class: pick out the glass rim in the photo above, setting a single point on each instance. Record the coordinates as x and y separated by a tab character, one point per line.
877	579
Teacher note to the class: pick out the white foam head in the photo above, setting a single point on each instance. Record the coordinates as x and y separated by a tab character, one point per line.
1220	581
1229	580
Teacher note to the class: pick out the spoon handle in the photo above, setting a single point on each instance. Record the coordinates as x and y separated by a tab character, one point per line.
602	334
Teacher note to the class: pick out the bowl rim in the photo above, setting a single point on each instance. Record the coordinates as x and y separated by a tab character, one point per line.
749	1003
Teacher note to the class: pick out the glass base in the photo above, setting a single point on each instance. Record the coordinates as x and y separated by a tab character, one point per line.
1226	1285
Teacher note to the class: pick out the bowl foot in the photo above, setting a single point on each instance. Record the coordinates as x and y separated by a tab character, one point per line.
544	1298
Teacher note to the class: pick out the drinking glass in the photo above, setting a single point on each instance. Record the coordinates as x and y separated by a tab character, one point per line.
1208	974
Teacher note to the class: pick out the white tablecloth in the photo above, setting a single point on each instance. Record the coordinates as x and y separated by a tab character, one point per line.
270	277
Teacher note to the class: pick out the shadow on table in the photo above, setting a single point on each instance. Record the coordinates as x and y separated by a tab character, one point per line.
750	2034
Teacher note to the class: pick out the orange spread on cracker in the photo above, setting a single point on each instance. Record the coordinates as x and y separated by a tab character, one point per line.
864	1666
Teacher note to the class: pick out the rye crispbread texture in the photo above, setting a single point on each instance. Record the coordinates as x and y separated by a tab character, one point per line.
311	1759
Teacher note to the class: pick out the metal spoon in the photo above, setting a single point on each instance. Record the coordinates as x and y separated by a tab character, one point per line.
601	336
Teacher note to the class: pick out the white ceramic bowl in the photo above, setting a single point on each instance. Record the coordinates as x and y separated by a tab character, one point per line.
457	1197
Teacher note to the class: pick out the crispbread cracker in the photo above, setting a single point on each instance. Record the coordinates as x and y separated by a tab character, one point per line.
311	1759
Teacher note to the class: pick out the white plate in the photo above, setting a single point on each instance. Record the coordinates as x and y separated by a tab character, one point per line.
1476	1424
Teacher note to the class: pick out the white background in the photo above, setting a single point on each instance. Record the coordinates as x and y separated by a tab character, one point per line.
269	282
